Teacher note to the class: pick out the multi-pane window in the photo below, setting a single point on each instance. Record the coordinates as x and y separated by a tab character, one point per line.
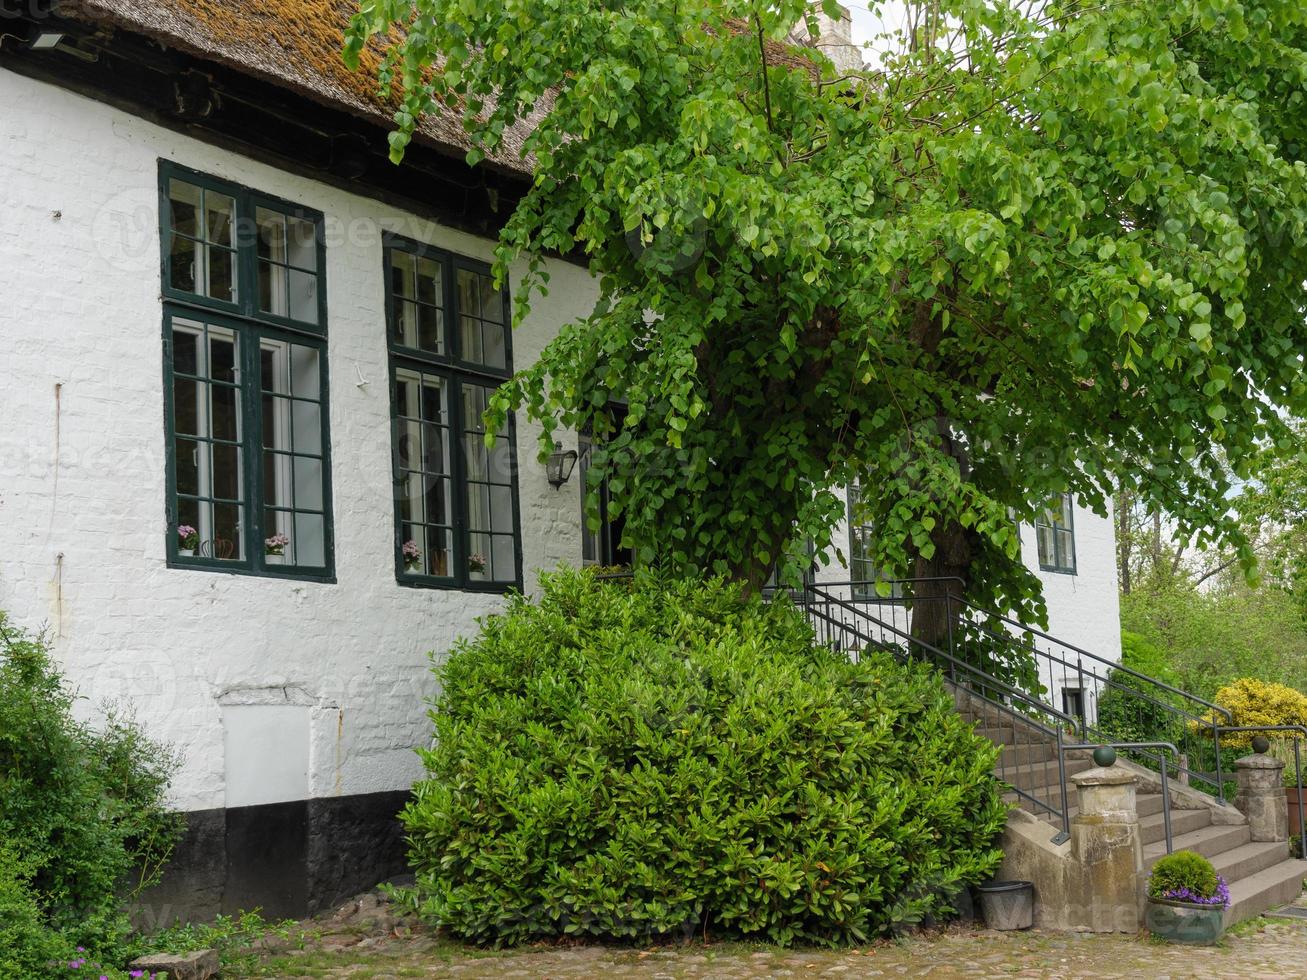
1055	536
455	499
863	570
246	377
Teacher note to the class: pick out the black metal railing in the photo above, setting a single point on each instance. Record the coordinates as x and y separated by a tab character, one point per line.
1110	702
1005	711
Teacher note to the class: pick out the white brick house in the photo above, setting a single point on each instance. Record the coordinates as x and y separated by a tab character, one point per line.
154	364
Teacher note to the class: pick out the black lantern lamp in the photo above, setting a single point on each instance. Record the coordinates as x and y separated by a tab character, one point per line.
559	467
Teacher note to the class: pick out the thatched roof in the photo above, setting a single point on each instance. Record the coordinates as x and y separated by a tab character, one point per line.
294	44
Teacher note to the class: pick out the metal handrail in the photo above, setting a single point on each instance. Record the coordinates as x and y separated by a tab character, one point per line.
961	598
987	681
1166	783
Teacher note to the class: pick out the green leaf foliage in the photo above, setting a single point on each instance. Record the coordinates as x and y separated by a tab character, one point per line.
633	761
1183	870
1035	247
83	819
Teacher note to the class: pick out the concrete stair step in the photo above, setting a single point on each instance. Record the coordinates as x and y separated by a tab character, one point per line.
1249	859
1152	829
1008	735
1028	753
1208	841
1038	775
1275	886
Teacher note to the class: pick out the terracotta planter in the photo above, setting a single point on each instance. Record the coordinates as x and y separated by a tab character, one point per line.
1183	922
1291	800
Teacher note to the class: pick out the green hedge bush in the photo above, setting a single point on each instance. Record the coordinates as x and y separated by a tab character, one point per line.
621	760
82	811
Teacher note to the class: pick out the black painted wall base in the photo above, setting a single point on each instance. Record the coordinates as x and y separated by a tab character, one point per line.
288	859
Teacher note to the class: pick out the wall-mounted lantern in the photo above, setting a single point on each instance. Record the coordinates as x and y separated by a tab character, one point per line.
559	467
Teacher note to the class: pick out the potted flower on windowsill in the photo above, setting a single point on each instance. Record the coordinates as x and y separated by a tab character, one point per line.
412	556
274	548
188	539
1186	900
476	563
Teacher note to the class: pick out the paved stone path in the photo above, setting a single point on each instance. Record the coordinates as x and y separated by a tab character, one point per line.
1274	948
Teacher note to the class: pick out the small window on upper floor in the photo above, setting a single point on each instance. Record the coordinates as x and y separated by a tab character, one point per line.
1055	536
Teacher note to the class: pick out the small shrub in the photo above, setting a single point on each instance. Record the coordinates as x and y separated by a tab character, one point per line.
27	944
625	761
1254	702
81	808
1187	876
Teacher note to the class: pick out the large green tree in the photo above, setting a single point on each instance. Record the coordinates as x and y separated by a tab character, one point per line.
1038	247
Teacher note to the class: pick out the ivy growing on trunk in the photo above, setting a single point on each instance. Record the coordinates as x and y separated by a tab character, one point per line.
1036	248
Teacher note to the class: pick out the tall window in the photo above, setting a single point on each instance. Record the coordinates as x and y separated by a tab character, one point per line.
246	377
863	570
1055	535
455	500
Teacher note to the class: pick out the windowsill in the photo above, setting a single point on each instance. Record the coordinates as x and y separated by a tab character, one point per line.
291	574
486	588
1058	571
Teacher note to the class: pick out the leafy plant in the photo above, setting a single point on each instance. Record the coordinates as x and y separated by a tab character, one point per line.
639	759
1187	876
1037	248
82	810
1254	702
234	937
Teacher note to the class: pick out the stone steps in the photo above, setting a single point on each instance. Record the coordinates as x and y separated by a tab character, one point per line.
1267	889
1039	775
1210	842
1153	829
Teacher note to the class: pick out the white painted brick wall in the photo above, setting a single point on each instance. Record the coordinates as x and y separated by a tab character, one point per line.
81	310
82	498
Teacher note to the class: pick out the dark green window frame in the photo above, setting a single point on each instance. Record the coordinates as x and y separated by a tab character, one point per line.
251	327
1055	537
456	373
863	571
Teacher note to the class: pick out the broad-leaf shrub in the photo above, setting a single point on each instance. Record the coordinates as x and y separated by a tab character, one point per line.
82	812
1254	702
1187	876
619	760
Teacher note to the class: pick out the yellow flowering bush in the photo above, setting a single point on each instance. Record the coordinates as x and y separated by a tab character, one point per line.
1254	702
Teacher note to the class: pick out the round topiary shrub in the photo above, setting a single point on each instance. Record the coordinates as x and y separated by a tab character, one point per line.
637	760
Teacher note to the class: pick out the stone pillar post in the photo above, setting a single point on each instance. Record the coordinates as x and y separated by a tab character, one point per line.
1106	847
1261	797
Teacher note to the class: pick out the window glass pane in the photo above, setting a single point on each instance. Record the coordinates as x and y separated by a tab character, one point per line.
494	345
501	508
188	466
429	279
1044	536
435	449
408	444
272	234
401	274
226	471
222	278
272	289
225	541
430	328
308	483
303	296
183	263
310	543
219	210
226	413
302	244
503	558
185	350
186	395
404	331
305	371
185	200
440	552
471	338
306	427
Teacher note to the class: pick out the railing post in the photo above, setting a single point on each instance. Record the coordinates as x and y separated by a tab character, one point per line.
1216	740
1166	805
1297	766
1061	783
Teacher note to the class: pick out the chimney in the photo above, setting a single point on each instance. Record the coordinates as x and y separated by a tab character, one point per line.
836	40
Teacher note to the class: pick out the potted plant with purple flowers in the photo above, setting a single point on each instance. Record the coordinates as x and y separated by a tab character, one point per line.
188	539
476	563
1187	900
412	556
275	547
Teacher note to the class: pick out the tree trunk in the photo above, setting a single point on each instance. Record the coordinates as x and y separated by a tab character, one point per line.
942	581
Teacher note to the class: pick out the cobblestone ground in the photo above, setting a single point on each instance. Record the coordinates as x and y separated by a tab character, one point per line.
1267	948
